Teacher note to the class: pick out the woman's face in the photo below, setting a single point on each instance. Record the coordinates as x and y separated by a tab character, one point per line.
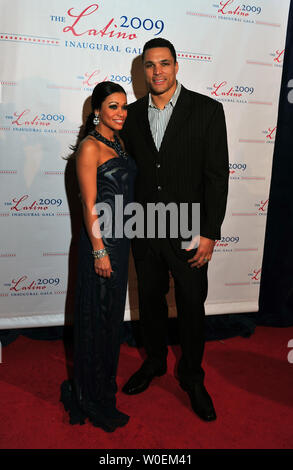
113	111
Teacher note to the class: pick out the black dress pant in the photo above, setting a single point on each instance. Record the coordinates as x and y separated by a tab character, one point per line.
190	293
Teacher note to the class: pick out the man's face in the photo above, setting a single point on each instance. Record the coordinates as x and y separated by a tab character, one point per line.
160	70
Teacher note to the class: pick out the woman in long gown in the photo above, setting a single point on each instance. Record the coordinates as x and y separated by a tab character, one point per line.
104	172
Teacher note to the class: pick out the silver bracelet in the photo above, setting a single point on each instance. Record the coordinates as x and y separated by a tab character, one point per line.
97	254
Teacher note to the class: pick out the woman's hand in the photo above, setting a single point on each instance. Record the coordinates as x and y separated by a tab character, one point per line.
103	266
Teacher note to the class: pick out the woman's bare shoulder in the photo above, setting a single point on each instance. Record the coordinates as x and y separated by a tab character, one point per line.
88	147
89	142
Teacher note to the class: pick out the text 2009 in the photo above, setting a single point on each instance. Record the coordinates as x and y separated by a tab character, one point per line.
251	8
52	117
229	239
121	78
52	281
48	202
237	166
244	89
147	24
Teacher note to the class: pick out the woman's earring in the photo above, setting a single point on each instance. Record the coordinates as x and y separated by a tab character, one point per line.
96	120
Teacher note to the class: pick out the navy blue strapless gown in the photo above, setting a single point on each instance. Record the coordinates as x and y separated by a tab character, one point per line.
99	306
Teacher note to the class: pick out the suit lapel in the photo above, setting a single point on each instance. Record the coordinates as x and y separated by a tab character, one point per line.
177	120
145	125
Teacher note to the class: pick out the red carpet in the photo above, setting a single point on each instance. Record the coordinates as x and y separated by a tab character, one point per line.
250	380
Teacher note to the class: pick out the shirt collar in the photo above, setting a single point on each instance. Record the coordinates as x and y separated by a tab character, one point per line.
173	99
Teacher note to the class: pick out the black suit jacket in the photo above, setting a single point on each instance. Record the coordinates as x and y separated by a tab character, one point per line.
192	162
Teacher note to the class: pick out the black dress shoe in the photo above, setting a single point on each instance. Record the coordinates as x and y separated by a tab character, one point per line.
201	402
141	379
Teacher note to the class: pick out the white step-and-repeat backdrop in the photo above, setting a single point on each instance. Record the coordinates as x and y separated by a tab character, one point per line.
52	55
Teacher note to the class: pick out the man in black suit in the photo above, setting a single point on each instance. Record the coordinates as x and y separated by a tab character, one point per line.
178	139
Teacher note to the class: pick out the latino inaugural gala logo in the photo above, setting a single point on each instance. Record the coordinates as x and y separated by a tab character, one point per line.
278	57
255	276
236	9
232	10
111	29
270	134
24	285
27	120
223	91
91	79
237	170
231	243
26	205
262	206
226	244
